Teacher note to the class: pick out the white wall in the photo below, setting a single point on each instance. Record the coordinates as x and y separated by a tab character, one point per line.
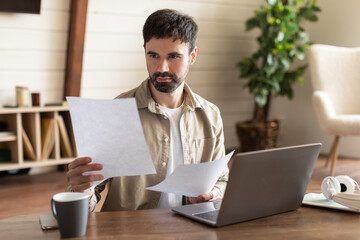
33	51
337	25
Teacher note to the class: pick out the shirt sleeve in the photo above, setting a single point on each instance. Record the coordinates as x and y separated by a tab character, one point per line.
97	193
96	196
219	152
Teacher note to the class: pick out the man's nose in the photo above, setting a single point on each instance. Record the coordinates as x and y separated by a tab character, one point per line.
163	66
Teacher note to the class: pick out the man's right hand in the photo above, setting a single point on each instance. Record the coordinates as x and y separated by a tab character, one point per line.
76	178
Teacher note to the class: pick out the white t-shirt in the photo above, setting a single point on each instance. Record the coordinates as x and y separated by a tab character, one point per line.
176	157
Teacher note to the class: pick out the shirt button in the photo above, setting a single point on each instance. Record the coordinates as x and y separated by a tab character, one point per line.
166	139
165	117
163	163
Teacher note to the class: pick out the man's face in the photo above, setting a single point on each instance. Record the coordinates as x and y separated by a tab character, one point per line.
168	63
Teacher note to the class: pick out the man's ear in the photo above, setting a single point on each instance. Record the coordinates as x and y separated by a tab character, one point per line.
193	55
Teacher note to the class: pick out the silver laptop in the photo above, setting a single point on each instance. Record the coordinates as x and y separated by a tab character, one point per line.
261	183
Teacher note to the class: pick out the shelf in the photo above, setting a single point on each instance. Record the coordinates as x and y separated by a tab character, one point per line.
34	143
33	109
29	164
8	139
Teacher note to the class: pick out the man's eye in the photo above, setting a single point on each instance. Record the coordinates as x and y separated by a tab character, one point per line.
173	56
153	55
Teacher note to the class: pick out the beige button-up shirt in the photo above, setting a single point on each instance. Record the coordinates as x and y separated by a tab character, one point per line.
201	136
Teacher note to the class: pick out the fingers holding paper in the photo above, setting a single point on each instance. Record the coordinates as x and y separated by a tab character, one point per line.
79	181
213	195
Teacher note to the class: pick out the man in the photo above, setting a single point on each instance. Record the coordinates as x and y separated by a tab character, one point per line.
179	126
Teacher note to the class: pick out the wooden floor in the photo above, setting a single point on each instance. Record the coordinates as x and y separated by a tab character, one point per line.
24	194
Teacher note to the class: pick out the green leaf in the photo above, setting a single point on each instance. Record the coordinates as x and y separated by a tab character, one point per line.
300	53
260	100
292	2
308	14
264	92
252	23
271	20
269	59
271	68
299	2
288	13
300	80
303	37
316	9
271	2
279	7
280	36
311	17
286	63
289	46
292	28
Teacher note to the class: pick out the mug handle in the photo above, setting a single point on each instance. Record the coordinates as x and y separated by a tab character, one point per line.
53	209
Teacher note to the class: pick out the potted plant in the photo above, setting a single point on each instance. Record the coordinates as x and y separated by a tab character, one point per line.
269	71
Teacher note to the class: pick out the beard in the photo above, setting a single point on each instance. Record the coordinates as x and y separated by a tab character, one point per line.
165	87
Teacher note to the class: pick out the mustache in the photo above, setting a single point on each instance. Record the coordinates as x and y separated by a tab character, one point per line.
164	74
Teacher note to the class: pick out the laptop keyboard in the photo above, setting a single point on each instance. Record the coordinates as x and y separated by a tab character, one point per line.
211	215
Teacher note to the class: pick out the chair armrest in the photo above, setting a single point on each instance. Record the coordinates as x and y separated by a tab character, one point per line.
323	105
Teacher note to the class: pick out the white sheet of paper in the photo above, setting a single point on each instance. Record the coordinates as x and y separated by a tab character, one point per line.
193	179
110	132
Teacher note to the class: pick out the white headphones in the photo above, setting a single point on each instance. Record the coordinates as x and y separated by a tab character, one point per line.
333	185
341	189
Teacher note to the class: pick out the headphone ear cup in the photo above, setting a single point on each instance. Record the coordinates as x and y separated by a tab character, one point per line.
347	184
329	187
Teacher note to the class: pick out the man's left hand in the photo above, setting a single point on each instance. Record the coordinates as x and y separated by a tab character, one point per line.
213	195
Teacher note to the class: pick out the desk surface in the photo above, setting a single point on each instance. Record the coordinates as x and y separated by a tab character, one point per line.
304	223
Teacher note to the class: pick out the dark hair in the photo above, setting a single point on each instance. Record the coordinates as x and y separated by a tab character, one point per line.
168	23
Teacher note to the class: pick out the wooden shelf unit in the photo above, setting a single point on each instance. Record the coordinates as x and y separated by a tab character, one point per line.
29	118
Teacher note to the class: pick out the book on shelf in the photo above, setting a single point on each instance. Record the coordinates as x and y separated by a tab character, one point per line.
29	152
65	144
71	136
47	137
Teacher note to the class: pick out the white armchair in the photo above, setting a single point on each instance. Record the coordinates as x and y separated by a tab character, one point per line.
335	75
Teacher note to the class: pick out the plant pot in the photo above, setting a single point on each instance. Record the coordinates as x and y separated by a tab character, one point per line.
257	136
